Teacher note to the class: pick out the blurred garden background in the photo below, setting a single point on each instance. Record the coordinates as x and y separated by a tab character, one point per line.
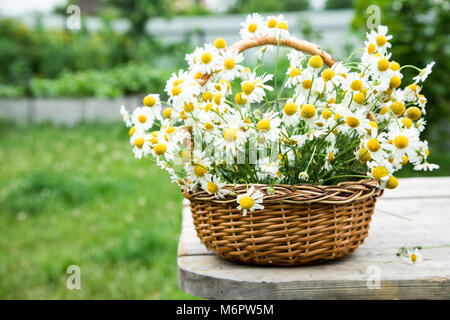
71	192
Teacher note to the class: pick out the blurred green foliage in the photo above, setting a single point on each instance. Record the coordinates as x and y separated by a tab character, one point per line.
116	217
250	6
33	57
115	82
339	4
421	33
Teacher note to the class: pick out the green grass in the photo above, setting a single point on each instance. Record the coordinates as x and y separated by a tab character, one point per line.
78	196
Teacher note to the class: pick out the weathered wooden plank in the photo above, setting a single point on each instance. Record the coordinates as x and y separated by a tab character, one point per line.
396	223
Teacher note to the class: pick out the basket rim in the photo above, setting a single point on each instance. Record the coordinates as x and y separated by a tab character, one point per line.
301	193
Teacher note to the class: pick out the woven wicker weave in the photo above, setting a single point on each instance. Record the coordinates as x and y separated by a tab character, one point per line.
300	224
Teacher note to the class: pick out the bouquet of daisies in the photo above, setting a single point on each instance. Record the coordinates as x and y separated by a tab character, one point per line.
225	123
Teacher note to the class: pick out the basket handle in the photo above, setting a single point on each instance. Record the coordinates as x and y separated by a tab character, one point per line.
291	42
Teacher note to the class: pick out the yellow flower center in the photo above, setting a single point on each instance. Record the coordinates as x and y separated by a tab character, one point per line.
217	98
264	124
306	84
383	64
170	130
206	57
392	182
252	27
177	82
142	118
167	112
413	258
246	202
160	149
316	62
139	142
176	90
352	122
272	23
247	87
220	43
198	75
328	74
330	156
229	63
239	99
364	155
208	126
308	111
132	130
230	134
326	113
381	40
414	87
407	122
379	172
371	48
149	101
290	108
404	160
356	85
398	108
282	25
294	72
359	97
188	107
212	187
384	110
395	66
185	155
395	82
373	145
208	107
200	170
413	113
207	96
401	141
427	152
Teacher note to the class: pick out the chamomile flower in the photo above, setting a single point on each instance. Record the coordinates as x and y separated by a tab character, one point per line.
414	256
142	144
253	26
404	142
142	118
296	58
213	185
291	113
380	39
233	137
254	88
250	201
423	75
229	67
268	126
125	116
330	154
204	59
277	27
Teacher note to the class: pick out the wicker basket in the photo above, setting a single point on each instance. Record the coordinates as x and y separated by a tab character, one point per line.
300	224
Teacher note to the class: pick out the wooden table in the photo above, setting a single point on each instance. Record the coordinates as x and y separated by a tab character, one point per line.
416	213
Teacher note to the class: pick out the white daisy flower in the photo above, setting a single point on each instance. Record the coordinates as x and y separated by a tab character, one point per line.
253	27
125	116
423	75
142	118
250	201
414	256
229	66
291	113
142	144
380	39
214	186
277	27
269	126
254	88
